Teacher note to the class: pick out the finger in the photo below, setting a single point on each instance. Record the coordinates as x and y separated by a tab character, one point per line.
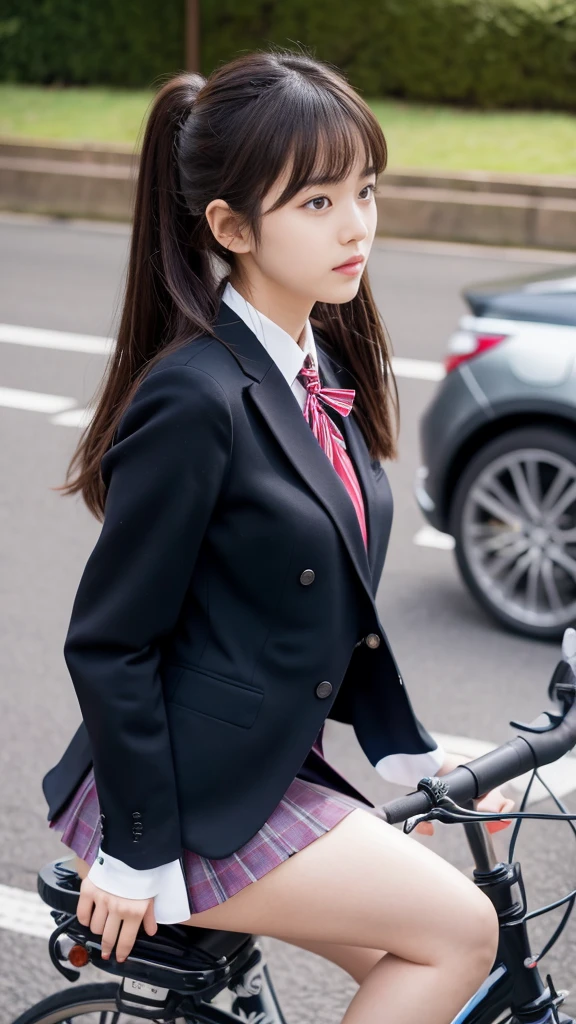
149	920
84	908
497	826
99	916
127	937
110	933
426	827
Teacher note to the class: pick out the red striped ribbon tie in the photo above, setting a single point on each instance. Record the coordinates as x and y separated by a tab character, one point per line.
328	434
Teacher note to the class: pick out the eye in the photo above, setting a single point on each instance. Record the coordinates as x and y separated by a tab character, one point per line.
370	189
317	199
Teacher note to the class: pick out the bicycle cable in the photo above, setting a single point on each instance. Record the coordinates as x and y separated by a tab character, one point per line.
570	898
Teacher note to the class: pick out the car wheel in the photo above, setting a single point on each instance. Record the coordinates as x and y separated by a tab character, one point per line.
513	519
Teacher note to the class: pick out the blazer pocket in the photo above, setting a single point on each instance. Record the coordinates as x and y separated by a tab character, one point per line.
217	697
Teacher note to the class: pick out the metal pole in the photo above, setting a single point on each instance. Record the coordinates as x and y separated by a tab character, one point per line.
192	35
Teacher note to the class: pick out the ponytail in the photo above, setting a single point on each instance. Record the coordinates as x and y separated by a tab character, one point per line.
171	289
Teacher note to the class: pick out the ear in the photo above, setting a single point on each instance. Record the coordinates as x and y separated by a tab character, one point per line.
225	226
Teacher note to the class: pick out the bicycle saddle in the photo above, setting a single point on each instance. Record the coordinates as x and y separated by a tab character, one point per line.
59	887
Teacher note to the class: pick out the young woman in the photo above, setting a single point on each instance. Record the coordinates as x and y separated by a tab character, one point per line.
228	607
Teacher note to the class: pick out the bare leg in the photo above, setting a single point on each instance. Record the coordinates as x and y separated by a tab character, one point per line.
366	884
355	960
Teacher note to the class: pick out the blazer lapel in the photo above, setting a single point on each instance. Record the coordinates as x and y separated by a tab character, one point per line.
275	401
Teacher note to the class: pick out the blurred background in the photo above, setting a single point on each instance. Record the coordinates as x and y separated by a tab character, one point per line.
474	270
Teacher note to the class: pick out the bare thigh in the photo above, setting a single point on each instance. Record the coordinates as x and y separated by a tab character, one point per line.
364	883
355	960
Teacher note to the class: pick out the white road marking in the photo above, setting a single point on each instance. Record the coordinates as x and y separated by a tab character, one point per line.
428	537
73	418
64	413
13	334
34	401
24	912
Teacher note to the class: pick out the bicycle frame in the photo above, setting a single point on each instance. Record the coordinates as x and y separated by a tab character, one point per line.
514	984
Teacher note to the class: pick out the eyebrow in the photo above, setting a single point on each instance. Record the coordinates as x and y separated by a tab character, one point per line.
324	179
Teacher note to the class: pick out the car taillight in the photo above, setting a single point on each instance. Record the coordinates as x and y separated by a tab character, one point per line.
466	345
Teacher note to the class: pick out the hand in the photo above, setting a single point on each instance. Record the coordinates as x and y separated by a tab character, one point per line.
114	917
493	802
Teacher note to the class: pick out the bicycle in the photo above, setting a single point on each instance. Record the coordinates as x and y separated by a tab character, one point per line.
174	976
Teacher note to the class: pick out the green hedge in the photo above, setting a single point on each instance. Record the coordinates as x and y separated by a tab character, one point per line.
484	53
81	42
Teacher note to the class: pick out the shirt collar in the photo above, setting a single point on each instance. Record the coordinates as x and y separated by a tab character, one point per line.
286	353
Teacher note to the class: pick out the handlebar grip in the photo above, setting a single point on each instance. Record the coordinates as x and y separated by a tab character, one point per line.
404	807
470	781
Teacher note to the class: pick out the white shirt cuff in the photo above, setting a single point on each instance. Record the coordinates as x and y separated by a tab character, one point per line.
408	769
166	883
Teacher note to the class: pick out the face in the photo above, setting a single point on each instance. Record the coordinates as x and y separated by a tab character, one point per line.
304	243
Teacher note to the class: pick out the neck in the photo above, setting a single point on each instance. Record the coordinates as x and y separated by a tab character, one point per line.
287	310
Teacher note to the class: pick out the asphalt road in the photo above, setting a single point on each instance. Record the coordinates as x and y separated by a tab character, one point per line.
464	674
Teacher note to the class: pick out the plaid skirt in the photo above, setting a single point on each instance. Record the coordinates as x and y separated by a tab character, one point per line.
306	811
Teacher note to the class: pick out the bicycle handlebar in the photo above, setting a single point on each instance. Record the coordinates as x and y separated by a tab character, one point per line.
515	757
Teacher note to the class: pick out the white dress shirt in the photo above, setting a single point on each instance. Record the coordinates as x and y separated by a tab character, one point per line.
166	882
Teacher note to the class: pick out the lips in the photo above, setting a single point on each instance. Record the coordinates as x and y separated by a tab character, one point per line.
352	262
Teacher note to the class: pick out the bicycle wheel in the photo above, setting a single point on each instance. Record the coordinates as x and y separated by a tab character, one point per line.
86	1004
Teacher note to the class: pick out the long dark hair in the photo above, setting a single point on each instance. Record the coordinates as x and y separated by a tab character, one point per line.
230	137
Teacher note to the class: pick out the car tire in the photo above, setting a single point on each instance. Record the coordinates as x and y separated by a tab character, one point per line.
540	452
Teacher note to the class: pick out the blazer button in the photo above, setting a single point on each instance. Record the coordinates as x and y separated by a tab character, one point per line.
324	689
136	814
372	640
307	576
100	860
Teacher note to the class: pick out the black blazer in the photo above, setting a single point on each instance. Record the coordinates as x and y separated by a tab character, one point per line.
203	660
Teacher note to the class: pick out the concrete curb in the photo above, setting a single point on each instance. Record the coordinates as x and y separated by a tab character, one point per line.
91	181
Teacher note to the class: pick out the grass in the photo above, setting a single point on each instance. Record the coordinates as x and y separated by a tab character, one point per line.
418	135
448	138
71	114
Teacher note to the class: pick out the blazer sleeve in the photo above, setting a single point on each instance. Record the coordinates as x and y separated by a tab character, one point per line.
163	477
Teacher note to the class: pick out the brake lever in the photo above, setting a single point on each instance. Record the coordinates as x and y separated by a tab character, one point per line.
462	816
448	817
554	720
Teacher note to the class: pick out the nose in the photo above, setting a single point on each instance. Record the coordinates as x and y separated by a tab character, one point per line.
354	227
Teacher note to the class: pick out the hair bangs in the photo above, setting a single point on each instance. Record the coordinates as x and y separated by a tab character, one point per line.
324	146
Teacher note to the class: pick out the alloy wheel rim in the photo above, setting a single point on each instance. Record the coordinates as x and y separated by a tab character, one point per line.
519	536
